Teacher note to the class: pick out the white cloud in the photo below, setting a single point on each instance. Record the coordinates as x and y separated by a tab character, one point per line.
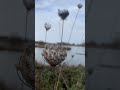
43	3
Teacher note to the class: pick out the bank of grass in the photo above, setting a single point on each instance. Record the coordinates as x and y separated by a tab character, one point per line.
47	77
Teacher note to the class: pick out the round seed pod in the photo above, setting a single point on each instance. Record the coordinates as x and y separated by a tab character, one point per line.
54	54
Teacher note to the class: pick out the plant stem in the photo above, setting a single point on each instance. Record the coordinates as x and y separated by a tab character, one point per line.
53	69
26	25
45	37
59	30
64	81
58	79
73	25
62	31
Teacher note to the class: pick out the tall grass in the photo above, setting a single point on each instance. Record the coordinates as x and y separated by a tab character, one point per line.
46	78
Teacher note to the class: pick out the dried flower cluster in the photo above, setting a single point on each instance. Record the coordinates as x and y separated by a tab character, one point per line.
79	6
29	4
63	14
54	54
47	26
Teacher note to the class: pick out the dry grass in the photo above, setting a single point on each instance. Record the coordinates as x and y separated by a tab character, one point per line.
73	77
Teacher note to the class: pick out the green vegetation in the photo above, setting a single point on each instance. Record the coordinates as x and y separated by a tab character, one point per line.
114	45
72	77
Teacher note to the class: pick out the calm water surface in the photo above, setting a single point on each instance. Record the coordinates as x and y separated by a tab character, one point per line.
78	59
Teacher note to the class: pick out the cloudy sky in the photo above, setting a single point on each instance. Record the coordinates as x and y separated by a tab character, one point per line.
47	11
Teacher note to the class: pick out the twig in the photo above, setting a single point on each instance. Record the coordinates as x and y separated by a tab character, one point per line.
62	31
65	82
73	26
22	80
58	79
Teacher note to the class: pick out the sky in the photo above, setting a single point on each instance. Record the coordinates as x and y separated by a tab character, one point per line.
47	11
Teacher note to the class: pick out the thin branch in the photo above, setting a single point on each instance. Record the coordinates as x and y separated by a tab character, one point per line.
62	31
26	25
64	81
22	80
73	25
59	30
58	78
45	36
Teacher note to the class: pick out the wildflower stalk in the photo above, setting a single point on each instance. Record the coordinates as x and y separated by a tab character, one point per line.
73	25
47	27
45	42
79	6
62	31
63	14
58	78
26	25
64	81
45	37
59	30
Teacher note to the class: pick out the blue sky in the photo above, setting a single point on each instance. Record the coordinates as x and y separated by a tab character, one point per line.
47	11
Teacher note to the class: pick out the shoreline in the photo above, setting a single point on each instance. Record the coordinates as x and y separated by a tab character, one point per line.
42	46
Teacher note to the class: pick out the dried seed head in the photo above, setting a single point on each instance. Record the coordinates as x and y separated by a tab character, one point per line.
79	6
54	54
63	14
47	26
29	4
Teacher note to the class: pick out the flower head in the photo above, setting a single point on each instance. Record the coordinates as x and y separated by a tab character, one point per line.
29	4
79	6
47	26
63	14
54	54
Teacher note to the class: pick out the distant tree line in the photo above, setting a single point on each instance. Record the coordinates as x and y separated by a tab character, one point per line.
114	44
14	43
63	43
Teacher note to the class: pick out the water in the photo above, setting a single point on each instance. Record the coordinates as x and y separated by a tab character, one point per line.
78	59
103	77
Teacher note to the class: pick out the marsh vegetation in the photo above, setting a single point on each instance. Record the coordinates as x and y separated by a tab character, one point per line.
46	77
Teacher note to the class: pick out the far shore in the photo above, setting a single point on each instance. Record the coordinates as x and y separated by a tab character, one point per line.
42	46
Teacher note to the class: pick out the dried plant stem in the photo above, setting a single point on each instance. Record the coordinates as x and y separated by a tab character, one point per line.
59	30
45	41
58	79
26	24
45	37
54	72
62	31
64	81
60	75
73	25
22	80
58	82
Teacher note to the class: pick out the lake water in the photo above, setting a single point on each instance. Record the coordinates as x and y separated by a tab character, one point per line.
103	77
78	59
